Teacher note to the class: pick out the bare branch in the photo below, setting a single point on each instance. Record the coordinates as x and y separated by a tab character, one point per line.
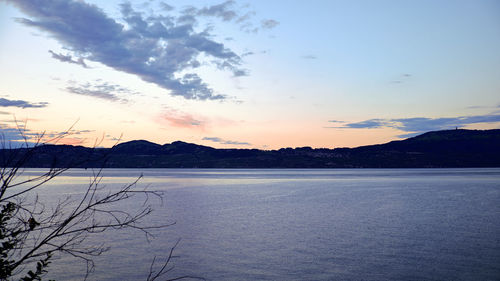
38	230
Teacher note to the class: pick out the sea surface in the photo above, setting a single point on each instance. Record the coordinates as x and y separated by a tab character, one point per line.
274	224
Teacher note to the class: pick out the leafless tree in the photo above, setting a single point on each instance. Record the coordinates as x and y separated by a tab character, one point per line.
32	231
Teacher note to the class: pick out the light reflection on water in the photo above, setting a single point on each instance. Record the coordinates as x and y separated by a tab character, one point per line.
345	224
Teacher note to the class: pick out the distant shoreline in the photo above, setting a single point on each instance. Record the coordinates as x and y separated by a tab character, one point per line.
439	149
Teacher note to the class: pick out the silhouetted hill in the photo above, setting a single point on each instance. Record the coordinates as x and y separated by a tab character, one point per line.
137	147
452	148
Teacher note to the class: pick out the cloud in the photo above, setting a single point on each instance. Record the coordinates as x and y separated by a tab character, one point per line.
21	103
421	124
367	124
246	17
68	58
483	107
166	6
223	11
79	132
101	90
179	119
92	93
17	135
309	57
269	24
163	50
431	124
8	135
247	54
405	77
222	141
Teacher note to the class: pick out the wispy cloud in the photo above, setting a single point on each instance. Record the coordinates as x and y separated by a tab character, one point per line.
269	24
483	106
160	49
309	57
92	93
166	7
9	134
405	77
176	118
101	90
80	132
247	54
228	12
223	141
21	103
420	124
68	58
223	11
367	124
14	134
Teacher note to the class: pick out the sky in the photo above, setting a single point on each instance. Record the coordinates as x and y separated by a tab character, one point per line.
247	74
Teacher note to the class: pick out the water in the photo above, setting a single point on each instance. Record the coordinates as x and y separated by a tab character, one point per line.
352	224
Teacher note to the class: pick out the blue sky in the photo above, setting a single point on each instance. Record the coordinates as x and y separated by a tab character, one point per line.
248	74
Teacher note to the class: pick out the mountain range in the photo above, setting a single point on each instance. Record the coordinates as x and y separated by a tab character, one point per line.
437	149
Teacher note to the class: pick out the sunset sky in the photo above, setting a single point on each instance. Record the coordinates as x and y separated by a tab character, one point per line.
248	74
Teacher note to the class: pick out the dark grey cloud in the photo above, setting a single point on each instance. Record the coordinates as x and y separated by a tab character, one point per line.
68	58
431	124
421	124
21	103
222	141
10	137
367	124
227	12
10	134
156	48
16	135
223	11
100	89
269	24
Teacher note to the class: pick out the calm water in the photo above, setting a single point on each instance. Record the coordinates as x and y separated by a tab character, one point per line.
363	224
